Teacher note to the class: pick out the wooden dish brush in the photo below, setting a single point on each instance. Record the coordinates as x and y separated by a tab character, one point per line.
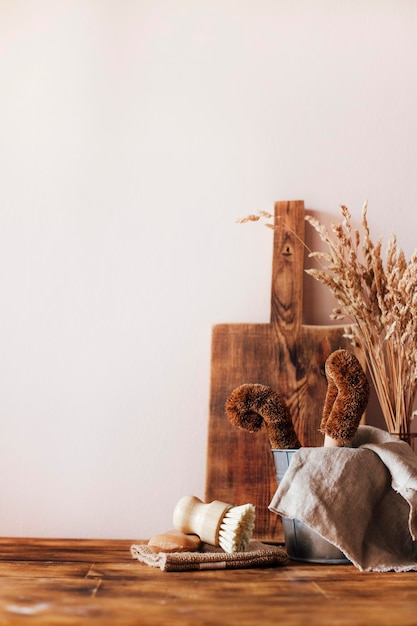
216	523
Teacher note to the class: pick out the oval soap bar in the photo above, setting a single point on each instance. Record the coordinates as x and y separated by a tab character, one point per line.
174	541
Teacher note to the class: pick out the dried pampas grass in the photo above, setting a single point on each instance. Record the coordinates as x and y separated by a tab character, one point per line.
379	299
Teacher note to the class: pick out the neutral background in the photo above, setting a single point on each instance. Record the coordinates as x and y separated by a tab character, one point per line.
132	135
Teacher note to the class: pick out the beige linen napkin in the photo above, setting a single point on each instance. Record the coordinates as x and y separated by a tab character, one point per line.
362	499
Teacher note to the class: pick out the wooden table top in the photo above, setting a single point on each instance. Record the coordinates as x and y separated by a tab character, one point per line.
58	581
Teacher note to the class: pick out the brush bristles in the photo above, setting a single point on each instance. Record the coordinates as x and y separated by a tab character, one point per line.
236	528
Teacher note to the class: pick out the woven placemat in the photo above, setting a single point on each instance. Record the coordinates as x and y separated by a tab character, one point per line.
257	555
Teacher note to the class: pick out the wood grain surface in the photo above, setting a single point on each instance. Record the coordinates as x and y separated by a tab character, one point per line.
95	582
284	354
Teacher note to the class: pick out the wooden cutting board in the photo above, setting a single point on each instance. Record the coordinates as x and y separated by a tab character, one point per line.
286	355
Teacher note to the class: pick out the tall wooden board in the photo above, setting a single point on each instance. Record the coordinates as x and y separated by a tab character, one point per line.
285	355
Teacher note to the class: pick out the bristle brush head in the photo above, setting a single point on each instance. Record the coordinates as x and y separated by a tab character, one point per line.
237	528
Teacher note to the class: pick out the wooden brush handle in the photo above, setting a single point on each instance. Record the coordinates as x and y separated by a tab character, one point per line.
191	515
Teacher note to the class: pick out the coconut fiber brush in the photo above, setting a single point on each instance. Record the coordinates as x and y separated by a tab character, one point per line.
216	523
253	406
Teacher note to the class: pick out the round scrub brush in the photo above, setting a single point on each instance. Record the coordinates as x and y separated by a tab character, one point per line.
253	405
347	396
216	523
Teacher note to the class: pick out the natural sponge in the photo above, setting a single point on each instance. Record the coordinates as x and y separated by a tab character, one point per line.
253	405
347	395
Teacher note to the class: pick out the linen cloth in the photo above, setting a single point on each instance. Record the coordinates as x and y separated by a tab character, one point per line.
257	555
362	499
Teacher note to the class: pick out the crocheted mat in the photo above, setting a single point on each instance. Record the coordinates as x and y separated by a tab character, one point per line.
257	555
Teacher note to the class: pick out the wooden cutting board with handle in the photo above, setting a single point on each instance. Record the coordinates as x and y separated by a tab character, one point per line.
286	355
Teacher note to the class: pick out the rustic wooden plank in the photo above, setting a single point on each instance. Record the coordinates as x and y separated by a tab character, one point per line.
64	550
44	569
215	598
127	592
285	355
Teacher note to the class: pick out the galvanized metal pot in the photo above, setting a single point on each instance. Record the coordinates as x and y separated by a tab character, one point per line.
301	542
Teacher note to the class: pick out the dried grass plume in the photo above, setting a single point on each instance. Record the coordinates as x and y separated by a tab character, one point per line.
378	297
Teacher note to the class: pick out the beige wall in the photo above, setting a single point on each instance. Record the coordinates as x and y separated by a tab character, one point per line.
133	134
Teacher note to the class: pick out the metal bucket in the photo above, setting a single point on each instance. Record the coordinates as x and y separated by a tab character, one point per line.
302	543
